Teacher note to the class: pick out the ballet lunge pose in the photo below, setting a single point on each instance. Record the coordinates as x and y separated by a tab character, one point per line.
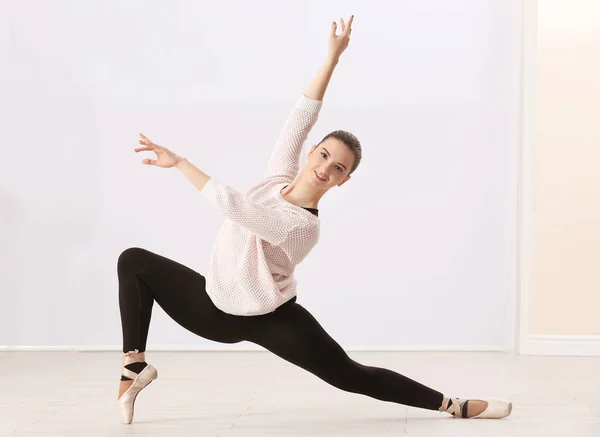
249	291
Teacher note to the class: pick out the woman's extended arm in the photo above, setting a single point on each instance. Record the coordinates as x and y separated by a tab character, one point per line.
267	223
337	44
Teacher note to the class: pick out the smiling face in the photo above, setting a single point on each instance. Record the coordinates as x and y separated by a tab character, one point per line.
332	160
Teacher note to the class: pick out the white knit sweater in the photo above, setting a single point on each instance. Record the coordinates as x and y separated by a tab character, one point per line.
264	237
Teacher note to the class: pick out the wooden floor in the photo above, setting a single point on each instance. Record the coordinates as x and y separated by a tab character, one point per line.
252	394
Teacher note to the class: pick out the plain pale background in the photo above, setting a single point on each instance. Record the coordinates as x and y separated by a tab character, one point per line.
417	251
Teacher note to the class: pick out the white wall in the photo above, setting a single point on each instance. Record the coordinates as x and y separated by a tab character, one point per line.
418	250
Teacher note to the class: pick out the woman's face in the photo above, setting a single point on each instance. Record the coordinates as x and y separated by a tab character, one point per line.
332	160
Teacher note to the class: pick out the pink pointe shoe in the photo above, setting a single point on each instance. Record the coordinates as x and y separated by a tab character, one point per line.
140	380
496	408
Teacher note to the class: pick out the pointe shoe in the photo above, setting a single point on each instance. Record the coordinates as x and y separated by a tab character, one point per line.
496	408
140	380
127	400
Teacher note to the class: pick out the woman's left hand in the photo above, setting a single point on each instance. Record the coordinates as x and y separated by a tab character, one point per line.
339	43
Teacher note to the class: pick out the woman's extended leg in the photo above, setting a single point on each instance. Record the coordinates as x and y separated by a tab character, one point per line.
292	333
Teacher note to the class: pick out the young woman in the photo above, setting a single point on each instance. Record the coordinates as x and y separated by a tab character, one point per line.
249	293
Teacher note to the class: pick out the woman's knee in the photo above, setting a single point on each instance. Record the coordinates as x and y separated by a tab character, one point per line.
130	258
348	375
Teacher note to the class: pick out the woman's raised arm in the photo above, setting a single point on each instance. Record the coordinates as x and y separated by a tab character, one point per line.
337	45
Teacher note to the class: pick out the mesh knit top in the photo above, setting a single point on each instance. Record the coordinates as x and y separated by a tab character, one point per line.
264	237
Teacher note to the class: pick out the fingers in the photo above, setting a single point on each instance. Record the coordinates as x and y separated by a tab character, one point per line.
148	143
350	20
346	27
145	140
148	146
143	149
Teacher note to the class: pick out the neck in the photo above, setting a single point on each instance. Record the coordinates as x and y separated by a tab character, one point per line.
301	193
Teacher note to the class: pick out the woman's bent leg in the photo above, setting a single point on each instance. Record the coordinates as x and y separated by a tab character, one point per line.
292	333
145	277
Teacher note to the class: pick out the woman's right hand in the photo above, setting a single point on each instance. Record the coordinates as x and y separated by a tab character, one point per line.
339	43
164	157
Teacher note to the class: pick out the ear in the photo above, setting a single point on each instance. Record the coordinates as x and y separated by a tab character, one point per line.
314	146
344	181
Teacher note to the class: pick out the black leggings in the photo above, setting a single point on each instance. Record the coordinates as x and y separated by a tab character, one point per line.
290	332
